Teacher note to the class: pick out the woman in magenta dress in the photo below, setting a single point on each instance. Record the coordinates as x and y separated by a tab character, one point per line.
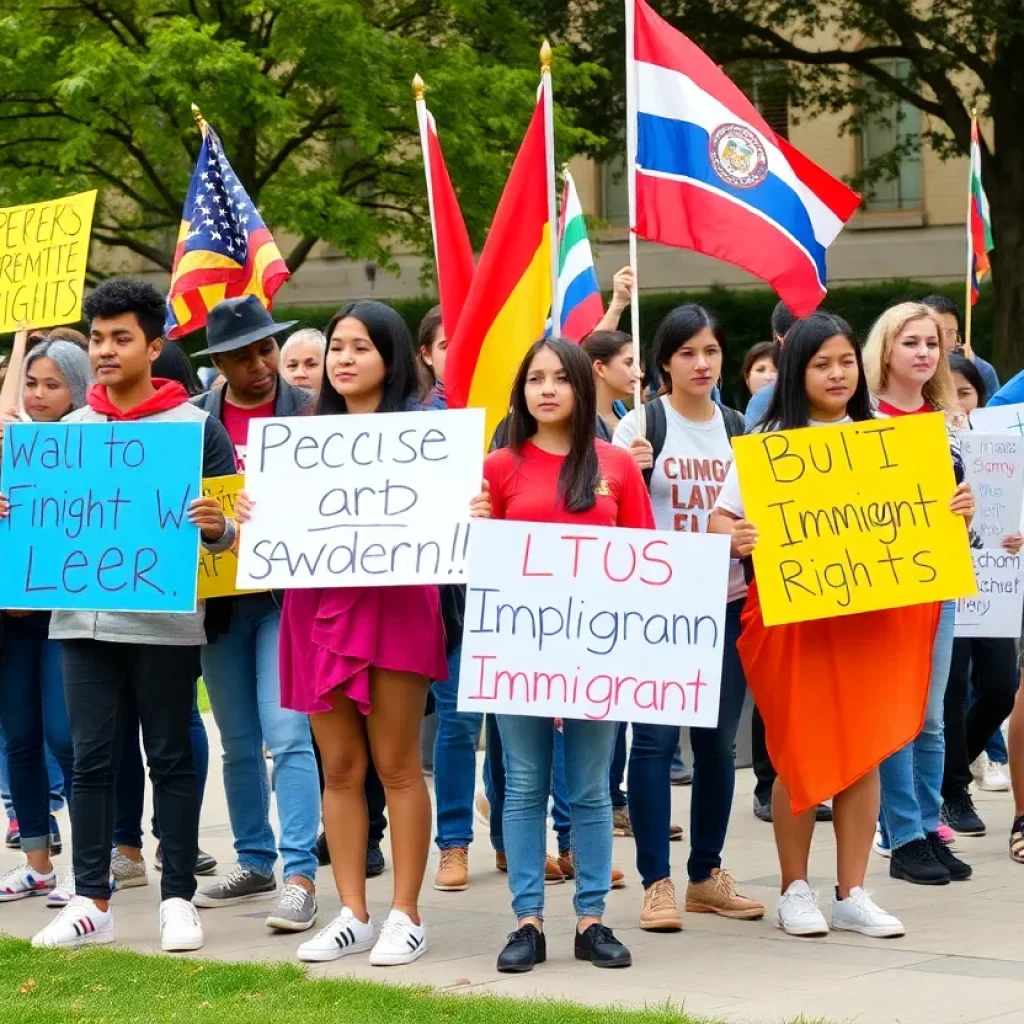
359	661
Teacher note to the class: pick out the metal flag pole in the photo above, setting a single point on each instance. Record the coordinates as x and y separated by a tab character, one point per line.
631	126
969	304
549	142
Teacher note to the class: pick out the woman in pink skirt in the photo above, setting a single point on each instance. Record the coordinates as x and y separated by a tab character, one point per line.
359	661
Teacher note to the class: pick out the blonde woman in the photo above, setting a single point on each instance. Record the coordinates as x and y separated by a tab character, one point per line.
908	373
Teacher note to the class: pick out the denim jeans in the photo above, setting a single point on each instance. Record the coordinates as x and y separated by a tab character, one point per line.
454	761
494	788
130	781
912	777
240	670
618	771
996	748
714	776
529	748
33	716
53	772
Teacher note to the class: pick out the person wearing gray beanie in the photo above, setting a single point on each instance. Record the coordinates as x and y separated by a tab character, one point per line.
52	361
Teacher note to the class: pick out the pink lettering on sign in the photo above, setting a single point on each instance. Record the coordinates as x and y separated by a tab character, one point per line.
621	561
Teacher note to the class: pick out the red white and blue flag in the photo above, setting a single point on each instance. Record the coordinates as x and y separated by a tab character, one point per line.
711	176
580	303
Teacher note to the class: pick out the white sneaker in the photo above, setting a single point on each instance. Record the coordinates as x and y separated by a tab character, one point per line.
400	942
180	930
799	913
482	808
64	893
879	845
21	882
80	923
978	766
859	913
996	778
344	935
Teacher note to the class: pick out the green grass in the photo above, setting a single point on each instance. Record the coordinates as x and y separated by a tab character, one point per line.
108	986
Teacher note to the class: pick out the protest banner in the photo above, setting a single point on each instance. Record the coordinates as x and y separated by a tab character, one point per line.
43	252
999	419
853	518
994	464
594	623
217	572
371	500
98	518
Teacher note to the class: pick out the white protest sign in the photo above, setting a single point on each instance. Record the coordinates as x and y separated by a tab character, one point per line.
594	623
370	500
999	419
994	464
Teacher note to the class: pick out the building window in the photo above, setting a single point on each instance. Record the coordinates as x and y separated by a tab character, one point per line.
615	192
891	139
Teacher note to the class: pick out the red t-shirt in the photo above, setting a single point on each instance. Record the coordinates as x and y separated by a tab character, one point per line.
524	487
236	423
890	410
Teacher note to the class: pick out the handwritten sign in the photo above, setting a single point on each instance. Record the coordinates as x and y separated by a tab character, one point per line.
999	419
217	571
345	501
853	518
995	470
98	518
43	252
594	623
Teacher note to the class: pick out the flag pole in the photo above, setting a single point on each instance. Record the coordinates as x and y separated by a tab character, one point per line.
631	126
969	304
201	124
419	89
549	143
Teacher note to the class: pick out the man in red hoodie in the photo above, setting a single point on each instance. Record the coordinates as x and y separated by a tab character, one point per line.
151	656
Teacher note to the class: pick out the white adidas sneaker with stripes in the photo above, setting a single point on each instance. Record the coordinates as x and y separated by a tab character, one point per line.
400	941
80	923
346	934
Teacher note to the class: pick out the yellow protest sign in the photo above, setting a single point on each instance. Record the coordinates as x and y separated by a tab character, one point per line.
217	572
853	518
43	252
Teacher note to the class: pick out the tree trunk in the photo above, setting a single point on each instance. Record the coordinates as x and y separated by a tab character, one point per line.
1006	197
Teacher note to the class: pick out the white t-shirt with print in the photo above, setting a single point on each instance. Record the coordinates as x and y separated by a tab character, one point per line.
690	471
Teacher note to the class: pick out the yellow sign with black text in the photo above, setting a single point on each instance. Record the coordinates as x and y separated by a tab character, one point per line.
217	572
853	518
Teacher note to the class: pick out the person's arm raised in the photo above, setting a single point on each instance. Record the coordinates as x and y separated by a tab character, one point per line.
9	391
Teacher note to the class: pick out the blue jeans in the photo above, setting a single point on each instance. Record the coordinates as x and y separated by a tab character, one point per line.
996	748
714	776
454	761
33	716
130	781
494	788
529	748
618	769
912	777
52	770
240	670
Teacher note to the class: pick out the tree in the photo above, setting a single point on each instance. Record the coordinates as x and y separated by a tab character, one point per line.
953	54
311	99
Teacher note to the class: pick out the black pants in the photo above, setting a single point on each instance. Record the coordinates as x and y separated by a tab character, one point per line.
764	770
97	676
990	664
375	799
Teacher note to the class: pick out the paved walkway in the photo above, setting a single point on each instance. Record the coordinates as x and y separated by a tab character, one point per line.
962	960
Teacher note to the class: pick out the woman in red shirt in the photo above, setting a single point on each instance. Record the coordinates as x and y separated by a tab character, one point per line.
555	471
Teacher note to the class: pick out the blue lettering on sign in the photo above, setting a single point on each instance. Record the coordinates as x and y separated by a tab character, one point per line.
99	516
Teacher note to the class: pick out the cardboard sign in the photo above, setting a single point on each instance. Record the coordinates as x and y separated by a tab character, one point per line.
217	571
853	518
43	252
98	518
347	501
995	470
999	419
594	623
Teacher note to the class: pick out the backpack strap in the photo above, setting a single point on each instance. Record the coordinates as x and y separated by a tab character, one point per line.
655	430
735	424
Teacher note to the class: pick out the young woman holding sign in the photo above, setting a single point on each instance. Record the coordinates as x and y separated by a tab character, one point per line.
359	661
830	710
555	471
908	373
684	477
33	715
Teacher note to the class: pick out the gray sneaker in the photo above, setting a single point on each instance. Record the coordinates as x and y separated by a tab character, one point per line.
296	912
128	873
240	886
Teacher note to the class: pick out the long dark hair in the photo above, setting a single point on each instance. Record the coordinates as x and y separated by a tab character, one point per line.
959	363
789	408
173	363
391	338
676	329
762	350
580	473
604	346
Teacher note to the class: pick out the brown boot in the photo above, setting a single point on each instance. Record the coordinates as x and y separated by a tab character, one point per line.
568	868
453	871
501	861
675	833
660	913
718	895
552	871
621	825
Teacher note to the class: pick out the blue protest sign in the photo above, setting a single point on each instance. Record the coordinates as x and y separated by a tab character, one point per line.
98	518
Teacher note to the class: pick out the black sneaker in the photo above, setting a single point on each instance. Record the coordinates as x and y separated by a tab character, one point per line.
525	948
240	886
1017	840
958	870
959	814
56	844
206	864
323	854
915	862
374	861
598	945
823	813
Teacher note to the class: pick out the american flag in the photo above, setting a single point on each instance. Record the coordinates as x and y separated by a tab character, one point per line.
224	249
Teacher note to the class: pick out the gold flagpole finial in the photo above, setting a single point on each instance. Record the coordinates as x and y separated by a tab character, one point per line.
419	87
545	58
201	124
974	113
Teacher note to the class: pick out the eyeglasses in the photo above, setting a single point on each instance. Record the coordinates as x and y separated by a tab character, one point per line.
951	334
